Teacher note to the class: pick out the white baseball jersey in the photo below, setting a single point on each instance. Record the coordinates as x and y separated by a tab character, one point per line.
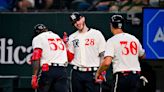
53	48
125	49
86	48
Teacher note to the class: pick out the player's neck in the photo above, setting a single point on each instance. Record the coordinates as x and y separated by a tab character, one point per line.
84	30
117	31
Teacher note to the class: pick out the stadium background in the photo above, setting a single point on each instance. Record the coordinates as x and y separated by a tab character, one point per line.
15	45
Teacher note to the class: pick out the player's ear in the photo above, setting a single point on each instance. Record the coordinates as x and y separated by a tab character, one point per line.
110	25
83	19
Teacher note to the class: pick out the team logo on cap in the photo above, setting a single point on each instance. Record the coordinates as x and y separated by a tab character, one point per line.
41	27
73	17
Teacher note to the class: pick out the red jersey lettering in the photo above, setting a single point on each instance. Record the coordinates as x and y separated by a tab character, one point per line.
56	44
89	42
132	48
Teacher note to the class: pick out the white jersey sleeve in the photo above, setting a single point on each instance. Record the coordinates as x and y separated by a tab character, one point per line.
109	49
141	50
36	42
102	42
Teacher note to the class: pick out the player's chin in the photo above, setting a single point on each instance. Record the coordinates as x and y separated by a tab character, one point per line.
79	27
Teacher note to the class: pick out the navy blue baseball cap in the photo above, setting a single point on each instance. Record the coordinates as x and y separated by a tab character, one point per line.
117	21
75	16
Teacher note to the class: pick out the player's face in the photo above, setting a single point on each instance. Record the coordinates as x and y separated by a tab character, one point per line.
80	24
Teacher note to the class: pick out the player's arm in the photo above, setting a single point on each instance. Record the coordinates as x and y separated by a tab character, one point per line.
142	53
70	55
35	61
36	55
104	66
142	77
143	56
101	55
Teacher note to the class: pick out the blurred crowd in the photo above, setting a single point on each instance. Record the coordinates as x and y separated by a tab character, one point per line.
77	5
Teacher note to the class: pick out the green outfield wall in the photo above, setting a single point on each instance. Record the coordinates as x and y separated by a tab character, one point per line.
16	32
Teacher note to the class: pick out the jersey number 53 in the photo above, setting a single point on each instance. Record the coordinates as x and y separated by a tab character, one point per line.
56	44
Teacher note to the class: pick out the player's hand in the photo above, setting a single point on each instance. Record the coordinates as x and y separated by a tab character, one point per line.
144	80
34	82
100	77
65	37
97	80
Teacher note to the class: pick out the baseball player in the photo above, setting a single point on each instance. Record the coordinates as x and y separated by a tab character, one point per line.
85	49
122	50
49	56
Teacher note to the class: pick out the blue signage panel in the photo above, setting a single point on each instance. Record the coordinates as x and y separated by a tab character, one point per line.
153	33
